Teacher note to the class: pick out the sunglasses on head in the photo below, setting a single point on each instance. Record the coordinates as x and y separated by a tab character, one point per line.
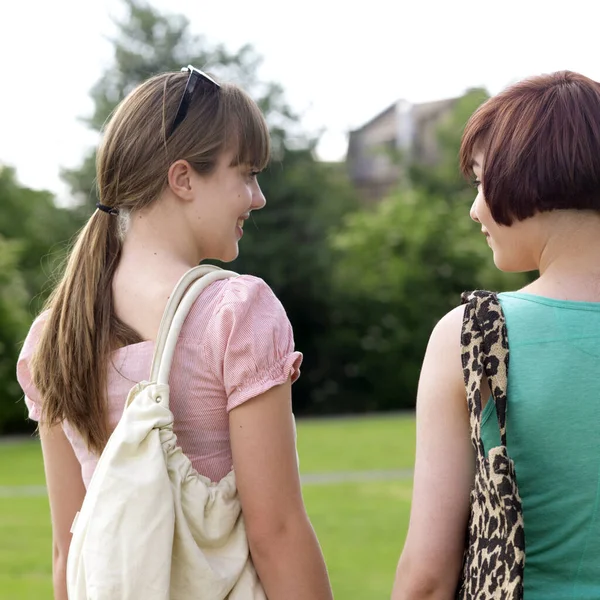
196	79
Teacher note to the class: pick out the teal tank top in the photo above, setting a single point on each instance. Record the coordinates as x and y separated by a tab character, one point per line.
553	436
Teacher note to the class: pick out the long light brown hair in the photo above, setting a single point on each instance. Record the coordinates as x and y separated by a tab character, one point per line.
70	364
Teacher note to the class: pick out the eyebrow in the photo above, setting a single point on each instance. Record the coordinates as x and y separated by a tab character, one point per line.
476	164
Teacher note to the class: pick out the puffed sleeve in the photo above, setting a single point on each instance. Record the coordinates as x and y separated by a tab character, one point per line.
250	343
32	398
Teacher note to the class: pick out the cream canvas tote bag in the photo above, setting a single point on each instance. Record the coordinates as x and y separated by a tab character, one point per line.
151	527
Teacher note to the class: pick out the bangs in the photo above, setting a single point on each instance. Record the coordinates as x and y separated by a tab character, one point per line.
248	131
541	143
475	136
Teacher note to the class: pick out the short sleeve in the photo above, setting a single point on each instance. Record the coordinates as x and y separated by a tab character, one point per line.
249	341
32	398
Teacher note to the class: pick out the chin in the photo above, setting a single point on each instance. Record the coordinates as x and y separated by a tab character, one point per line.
512	265
229	255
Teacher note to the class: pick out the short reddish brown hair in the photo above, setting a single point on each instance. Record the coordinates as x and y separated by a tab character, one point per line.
541	142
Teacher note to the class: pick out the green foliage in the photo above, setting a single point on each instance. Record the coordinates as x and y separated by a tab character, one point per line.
289	249
405	264
150	42
32	218
31	228
13	324
444	177
401	266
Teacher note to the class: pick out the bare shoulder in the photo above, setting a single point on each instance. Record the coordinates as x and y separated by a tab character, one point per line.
442	369
446	334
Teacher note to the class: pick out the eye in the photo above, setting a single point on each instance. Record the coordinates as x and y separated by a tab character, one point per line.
251	172
476	183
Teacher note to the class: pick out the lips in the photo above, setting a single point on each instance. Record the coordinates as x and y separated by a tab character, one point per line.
240	221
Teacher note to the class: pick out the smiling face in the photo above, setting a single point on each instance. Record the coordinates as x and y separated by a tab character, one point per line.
517	247
220	204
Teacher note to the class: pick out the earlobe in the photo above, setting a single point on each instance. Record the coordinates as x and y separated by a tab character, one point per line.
179	179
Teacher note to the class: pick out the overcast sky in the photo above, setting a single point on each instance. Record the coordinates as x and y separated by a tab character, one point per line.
339	66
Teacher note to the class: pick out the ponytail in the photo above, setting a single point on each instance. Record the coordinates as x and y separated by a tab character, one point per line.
69	367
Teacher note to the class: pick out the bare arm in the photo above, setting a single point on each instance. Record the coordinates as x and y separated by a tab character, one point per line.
444	469
284	548
65	493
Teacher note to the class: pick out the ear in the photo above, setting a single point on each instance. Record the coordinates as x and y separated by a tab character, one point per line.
181	179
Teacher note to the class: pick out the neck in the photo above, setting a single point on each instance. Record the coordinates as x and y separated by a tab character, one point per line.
569	263
159	236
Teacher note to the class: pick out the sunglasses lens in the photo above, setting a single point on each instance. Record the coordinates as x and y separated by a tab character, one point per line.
196	79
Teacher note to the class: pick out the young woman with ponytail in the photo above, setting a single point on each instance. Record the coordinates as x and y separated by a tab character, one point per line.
177	178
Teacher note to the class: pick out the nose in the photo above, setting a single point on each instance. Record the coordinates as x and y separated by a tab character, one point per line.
258	198
473	211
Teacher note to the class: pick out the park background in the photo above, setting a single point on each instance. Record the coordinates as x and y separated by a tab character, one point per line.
366	237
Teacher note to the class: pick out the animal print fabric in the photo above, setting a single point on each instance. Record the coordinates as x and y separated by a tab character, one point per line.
494	556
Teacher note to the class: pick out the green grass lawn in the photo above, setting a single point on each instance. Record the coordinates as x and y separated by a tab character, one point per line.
370	443
361	525
21	463
25	549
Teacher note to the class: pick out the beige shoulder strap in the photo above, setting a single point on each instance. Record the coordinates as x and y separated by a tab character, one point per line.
186	292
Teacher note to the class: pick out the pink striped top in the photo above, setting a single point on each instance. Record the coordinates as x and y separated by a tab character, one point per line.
236	343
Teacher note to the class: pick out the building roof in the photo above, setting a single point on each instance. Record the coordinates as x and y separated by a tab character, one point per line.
422	109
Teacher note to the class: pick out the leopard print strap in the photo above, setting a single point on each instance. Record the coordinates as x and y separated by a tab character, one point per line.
484	343
494	556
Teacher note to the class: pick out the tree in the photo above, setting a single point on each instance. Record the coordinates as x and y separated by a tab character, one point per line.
13	325
289	248
32	229
150	42
41	229
444	178
402	266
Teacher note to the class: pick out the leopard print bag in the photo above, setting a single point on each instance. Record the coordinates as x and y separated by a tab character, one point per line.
495	548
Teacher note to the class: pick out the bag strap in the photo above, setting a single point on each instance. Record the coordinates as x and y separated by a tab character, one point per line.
484	343
185	293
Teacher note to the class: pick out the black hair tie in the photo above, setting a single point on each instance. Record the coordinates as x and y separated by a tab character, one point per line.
107	209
